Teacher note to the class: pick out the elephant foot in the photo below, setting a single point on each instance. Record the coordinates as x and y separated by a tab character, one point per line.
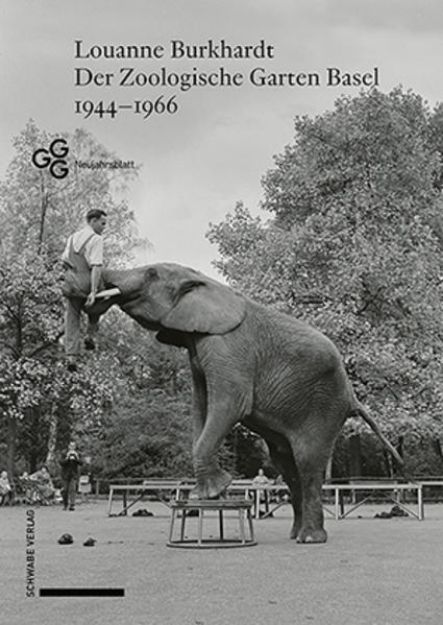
295	530
211	487
308	536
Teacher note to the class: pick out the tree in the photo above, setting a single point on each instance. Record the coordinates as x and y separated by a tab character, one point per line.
37	212
144	437
353	247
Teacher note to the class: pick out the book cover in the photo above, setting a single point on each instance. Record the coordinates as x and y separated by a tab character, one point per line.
290	151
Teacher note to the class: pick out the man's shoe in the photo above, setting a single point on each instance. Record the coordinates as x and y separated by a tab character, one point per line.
71	508
89	343
71	364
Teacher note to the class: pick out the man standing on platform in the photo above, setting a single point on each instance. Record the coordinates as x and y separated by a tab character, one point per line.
83	261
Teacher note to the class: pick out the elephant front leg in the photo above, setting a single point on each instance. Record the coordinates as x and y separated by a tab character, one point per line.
212	480
199	402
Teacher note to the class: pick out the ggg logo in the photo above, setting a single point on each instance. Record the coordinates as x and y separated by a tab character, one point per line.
53	158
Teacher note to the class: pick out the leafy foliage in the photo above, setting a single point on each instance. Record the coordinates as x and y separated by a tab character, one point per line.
144	437
39	399
354	247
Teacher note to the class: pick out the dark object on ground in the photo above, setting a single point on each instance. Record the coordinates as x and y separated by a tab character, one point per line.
89	542
142	512
396	511
65	539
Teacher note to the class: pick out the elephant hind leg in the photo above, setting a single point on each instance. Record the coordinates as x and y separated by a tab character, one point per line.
311	459
283	460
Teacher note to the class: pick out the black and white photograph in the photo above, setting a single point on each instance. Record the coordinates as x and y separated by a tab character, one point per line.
221	337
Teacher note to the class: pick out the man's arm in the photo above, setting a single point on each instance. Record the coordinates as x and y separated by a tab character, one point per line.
94	258
96	274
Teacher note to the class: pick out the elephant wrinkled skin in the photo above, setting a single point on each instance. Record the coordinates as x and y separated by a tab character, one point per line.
277	375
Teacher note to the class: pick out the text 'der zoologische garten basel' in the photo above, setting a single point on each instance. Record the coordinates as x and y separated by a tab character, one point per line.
151	79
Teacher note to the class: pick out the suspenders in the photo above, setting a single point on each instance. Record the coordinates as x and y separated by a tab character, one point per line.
77	281
76	256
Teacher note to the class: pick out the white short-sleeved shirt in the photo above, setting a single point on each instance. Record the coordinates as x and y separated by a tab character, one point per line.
93	250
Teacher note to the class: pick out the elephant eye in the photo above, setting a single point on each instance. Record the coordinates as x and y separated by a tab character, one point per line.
189	286
152	273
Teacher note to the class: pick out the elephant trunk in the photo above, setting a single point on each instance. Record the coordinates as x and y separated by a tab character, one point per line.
128	281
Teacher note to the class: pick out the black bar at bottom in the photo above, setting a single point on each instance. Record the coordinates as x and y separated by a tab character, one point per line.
82	592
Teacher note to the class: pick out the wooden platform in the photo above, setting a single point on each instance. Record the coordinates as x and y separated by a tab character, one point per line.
183	509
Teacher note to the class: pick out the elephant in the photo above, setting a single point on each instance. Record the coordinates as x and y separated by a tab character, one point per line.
270	371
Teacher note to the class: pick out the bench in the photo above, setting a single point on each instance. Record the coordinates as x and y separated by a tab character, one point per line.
389	490
168	491
164	490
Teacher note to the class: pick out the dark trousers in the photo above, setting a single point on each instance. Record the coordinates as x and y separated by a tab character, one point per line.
74	307
6	498
69	491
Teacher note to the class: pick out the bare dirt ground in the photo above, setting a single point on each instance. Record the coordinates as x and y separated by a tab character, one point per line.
371	571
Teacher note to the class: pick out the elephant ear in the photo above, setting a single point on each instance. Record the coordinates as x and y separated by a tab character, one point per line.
205	306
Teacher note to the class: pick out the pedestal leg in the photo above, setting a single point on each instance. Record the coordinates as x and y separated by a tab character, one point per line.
182	525
200	526
220	523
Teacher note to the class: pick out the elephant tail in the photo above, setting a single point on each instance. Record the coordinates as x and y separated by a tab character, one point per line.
362	412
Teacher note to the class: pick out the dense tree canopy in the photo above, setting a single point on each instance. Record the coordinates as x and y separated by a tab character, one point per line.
41	404
353	246
128	406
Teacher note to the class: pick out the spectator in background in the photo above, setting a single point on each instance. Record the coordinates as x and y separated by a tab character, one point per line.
70	466
43	488
5	489
260	482
261	479
84	484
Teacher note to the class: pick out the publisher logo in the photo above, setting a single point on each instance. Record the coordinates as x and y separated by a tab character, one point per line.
53	158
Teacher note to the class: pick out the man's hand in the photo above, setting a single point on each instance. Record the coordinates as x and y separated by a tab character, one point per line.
96	274
90	300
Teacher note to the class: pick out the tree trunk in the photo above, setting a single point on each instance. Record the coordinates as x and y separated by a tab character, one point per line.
11	444
388	463
52	439
355	456
44	207
437	447
328	474
400	446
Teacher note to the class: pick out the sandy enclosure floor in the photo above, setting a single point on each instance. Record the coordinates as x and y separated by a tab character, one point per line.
371	571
